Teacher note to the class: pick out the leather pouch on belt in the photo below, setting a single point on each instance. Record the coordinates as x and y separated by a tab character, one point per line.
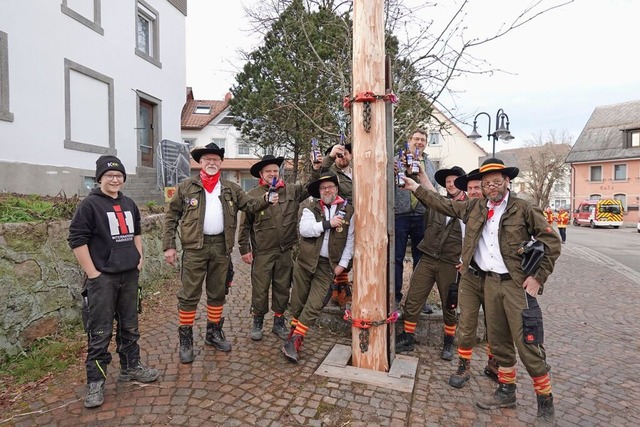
452	295
532	328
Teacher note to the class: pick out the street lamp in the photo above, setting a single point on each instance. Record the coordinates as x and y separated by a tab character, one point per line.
502	132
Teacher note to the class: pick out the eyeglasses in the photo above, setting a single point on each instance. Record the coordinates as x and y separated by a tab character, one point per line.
418	138
327	188
112	176
495	183
210	159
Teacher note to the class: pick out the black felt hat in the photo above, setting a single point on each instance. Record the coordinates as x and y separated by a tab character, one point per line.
314	187
267	159
442	174
461	182
210	148
346	146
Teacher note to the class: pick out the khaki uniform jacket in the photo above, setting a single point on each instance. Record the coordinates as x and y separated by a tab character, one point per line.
520	221
186	213
442	240
345	184
275	228
310	246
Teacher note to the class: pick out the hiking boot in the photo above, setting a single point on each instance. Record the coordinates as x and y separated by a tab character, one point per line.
186	344
292	346
138	372
404	342
546	411
503	397
215	336
447	348
280	328
256	332
491	370
95	395
462	375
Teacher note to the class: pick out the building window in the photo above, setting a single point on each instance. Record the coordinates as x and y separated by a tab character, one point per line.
243	149
85	13
623	200
220	142
434	138
228	120
595	197
5	114
619	172
595	173
148	33
88	129
248	182
632	138
190	141
202	110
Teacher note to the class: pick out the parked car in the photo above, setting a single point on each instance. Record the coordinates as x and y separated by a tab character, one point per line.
599	213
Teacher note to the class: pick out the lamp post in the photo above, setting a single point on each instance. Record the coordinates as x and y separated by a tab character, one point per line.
501	132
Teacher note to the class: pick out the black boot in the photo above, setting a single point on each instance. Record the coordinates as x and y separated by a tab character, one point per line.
447	348
186	344
463	374
503	397
215	336
280	327
546	410
404	342
256	332
292	346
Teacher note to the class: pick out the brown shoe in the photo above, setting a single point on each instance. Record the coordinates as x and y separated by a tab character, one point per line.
503	397
491	370
546	411
463	374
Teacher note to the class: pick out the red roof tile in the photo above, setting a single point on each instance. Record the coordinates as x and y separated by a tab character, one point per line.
191	120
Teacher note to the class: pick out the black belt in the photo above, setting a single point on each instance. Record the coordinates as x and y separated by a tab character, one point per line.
476	271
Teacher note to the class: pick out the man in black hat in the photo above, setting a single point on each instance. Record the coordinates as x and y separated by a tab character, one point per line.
105	236
470	299
441	248
495	228
266	240
326	248
204	209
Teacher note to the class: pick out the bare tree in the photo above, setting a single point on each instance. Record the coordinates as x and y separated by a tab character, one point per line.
542	164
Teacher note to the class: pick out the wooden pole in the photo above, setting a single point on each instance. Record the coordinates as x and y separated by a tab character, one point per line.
370	182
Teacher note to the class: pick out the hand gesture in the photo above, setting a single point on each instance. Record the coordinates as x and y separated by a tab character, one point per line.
336	221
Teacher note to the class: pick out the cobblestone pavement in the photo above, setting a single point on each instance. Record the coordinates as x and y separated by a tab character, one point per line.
592	313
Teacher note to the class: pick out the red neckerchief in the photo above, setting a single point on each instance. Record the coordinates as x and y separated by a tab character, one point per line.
493	206
209	182
279	184
337	201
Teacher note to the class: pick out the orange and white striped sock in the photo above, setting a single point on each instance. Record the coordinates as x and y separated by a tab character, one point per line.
450	330
542	384
410	327
214	314
186	318
507	375
294	322
465	353
301	329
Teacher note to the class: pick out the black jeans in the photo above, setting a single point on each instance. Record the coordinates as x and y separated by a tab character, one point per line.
112	296
405	226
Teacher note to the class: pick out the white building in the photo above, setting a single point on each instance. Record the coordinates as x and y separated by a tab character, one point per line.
82	78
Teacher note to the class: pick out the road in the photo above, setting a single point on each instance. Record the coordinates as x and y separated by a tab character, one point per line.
622	245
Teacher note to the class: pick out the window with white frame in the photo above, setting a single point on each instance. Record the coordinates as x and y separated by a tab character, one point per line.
434	138
595	173
632	138
220	142
148	33
5	114
202	109
88	13
619	172
595	197
244	149
623	200
190	141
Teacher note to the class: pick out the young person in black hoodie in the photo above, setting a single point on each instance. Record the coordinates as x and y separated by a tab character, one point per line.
105	236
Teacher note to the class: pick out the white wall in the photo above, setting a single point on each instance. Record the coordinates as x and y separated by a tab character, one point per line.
41	37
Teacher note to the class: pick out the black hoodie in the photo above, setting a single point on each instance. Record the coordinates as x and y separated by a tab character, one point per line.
107	226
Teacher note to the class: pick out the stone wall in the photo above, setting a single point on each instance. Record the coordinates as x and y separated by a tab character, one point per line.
40	279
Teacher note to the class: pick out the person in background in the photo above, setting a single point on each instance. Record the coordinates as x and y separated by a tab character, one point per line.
441	248
266	240
562	219
204	210
548	214
326	248
470	298
495	228
105	236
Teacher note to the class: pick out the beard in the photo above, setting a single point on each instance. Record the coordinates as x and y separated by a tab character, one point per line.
327	199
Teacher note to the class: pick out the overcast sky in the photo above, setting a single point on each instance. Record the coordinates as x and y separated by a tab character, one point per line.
560	67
